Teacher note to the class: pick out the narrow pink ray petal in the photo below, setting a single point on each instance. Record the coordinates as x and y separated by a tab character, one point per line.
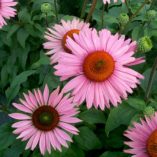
19	116
46	94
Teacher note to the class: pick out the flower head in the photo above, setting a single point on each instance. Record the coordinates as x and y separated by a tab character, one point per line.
151	14
149	111
46	8
98	66
145	44
6	11
46	120
109	1
123	19
143	137
57	36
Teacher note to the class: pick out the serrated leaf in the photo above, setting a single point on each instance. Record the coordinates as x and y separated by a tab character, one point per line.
6	136
87	139
44	60
12	30
4	76
15	150
93	116
136	103
118	116
24	15
22	35
144	82
137	32
12	91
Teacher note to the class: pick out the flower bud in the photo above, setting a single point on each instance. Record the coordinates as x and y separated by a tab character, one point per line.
151	14
144	44
123	19
149	111
46	8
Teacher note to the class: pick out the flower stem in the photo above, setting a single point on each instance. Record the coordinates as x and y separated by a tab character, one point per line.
83	8
56	11
138	10
91	10
127	5
151	79
135	14
102	16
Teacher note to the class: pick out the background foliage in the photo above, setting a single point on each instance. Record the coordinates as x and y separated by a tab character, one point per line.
23	66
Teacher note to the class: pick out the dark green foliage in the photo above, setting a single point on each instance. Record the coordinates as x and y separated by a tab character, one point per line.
24	66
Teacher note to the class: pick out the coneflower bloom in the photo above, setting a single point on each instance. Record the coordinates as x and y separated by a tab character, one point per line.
6	11
109	1
45	120
98	66
143	138
57	35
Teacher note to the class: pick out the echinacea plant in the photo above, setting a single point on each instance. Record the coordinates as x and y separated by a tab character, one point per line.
78	78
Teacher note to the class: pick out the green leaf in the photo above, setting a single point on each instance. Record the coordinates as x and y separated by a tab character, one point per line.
87	139
24	15
72	151
36	153
136	103
47	77
68	17
6	136
113	154
15	150
137	32
115	139
110	19
4	76
44	60
93	116
13	90
136	118
22	35
118	116
144	82
12	30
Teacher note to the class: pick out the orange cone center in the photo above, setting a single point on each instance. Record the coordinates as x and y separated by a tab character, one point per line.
69	34
152	144
98	66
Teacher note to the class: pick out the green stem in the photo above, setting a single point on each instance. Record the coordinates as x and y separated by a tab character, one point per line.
151	79
91	10
56	11
135	14
46	20
138	10
83	8
127	5
102	16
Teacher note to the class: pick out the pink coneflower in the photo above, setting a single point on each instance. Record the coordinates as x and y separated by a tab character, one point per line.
143	138
109	1
47	120
98	65
58	34
6	11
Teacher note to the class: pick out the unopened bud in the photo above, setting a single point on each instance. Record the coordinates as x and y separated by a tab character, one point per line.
151	14
149	111
123	19
46	8
144	44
